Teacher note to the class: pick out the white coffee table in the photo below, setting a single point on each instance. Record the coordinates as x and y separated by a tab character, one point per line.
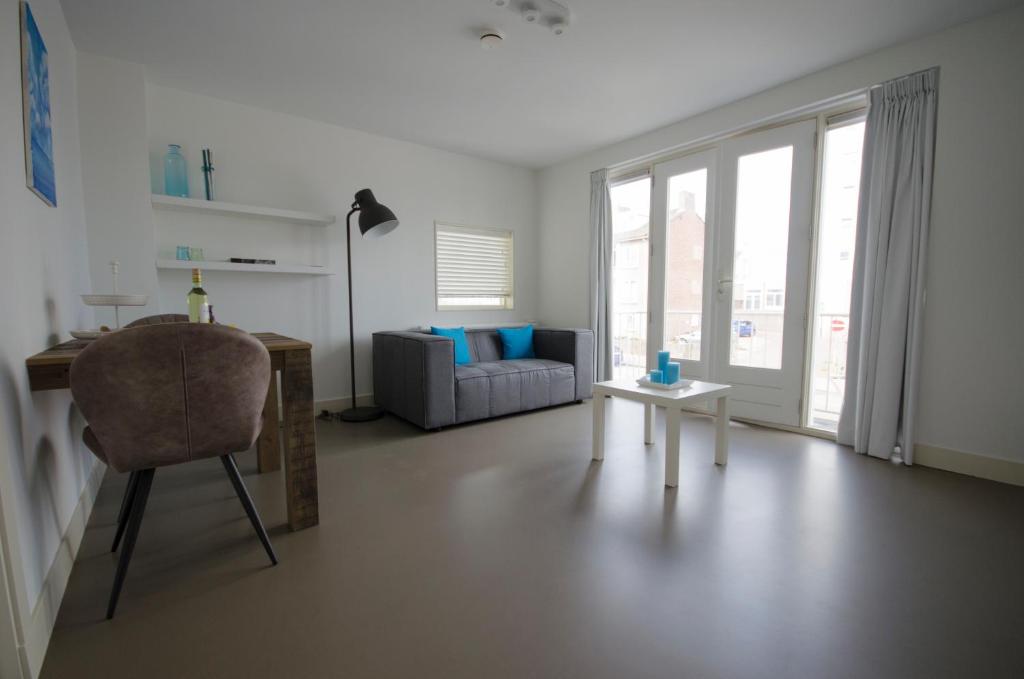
673	402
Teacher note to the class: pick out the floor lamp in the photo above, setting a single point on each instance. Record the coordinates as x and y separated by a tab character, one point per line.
375	220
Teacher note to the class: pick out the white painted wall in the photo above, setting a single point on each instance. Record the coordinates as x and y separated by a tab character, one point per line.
44	468
284	161
115	178
973	382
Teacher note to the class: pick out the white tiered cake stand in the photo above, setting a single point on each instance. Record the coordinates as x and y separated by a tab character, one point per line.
116	299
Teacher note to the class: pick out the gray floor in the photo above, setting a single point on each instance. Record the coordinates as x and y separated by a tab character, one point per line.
499	550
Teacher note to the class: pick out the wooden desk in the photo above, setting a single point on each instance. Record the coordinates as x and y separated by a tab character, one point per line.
291	358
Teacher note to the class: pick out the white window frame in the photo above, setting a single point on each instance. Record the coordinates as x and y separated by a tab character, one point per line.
839	117
509	303
847	108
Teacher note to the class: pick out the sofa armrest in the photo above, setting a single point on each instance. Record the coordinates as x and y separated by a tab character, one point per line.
569	346
414	377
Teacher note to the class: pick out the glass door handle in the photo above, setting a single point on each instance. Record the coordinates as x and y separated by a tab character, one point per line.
722	282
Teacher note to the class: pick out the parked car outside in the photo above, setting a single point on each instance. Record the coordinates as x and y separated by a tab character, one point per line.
744	328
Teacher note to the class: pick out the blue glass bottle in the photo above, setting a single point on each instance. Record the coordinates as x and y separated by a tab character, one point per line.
175	172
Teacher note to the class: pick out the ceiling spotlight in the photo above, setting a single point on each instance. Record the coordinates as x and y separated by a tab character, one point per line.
530	14
490	40
559	27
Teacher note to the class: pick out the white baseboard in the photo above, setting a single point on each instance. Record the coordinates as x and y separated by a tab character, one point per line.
991	468
39	626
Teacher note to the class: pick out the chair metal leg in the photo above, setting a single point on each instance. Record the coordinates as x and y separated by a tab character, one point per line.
138	508
250	509
126	505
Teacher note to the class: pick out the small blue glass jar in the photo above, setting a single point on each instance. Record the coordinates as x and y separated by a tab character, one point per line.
175	172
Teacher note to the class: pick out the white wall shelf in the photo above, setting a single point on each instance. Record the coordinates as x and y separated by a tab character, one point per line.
219	207
250	268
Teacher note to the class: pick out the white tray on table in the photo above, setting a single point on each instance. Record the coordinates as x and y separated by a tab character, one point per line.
645	381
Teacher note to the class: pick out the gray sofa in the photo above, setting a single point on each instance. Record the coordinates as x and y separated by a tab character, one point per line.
415	376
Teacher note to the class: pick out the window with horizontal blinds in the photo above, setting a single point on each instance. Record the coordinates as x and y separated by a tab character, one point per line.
474	267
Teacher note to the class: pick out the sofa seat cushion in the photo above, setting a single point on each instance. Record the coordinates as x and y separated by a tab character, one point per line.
493	388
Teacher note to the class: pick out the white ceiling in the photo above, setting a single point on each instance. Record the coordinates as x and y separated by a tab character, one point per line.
413	69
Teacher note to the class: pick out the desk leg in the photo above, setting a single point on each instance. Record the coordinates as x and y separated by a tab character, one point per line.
299	439
598	402
268	447
648	423
722	431
673	417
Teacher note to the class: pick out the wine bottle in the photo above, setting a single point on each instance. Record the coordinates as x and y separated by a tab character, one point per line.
198	303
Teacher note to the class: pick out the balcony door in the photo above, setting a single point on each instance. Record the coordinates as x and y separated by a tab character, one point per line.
684	212
763	263
730	235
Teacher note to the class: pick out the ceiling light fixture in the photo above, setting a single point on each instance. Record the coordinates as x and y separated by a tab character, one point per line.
547	13
490	39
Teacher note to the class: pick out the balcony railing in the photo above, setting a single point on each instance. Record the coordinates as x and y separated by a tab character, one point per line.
828	369
629	343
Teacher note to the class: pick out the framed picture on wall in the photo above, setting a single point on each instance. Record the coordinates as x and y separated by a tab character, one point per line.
40	176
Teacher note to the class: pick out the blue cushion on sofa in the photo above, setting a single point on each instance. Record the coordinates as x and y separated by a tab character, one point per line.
458	335
516	342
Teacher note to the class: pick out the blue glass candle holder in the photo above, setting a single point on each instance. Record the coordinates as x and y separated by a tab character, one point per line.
672	372
663	359
656	376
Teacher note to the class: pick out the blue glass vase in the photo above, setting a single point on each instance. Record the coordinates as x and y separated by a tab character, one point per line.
175	172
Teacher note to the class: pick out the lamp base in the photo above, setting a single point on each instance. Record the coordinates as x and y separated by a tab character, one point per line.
361	414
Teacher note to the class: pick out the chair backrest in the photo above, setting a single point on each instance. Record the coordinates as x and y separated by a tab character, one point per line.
158	319
163	394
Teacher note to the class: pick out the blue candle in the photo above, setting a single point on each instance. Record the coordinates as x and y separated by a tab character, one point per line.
655	376
663	359
672	372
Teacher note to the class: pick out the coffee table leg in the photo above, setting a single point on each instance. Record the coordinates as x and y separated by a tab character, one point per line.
648	423
673	416
722	431
598	402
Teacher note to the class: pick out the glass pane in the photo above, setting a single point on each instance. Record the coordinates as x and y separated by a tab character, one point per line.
684	267
631	206
759	260
840	188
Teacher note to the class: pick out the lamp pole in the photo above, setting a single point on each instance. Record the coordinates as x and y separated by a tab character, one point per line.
351	323
375	220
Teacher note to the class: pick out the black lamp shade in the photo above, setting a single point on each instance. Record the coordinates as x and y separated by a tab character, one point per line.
375	219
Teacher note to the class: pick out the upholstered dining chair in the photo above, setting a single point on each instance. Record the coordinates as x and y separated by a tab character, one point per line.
157	319
165	394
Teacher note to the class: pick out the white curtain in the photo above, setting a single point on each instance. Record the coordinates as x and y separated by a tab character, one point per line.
887	304
600	272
